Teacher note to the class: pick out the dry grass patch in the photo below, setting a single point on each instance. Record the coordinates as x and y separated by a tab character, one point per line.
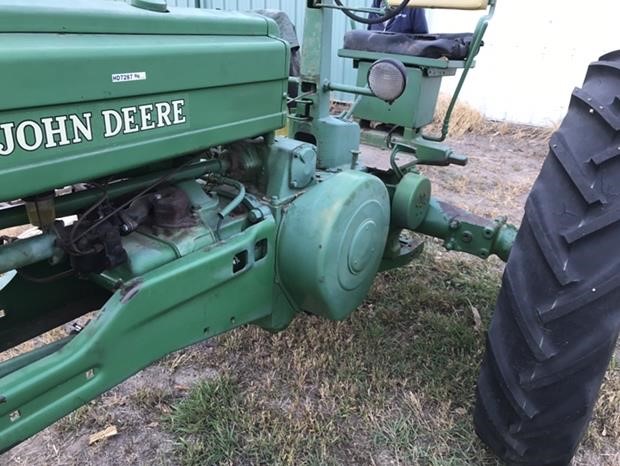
466	119
392	384
605	426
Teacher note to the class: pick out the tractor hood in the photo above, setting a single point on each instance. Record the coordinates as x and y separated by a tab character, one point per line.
94	88
109	17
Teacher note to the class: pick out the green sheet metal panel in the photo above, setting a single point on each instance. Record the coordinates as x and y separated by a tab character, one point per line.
101	16
342	69
91	104
414	109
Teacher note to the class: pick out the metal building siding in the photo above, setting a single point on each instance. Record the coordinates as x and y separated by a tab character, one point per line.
181	3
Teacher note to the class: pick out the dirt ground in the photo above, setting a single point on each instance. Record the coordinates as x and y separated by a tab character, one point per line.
496	182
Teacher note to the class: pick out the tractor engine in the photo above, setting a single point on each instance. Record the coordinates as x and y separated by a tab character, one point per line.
150	133
140	141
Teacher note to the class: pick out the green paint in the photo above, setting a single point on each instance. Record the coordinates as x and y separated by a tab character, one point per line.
187	92
26	252
144	97
169	308
465	232
410	201
331	243
414	109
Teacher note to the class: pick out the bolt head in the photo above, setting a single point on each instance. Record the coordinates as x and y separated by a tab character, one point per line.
255	215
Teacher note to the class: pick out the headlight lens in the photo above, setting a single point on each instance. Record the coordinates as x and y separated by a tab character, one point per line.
387	79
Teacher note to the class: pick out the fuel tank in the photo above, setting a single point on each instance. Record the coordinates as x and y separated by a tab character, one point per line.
94	88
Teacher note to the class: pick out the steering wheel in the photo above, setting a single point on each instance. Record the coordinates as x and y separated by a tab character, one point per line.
381	19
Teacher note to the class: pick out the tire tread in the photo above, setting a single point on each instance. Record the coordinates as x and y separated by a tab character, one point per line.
557	319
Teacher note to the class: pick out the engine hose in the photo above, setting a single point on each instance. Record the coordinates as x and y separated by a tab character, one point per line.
370	21
232	205
238	199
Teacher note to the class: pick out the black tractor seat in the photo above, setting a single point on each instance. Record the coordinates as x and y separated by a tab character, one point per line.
446	46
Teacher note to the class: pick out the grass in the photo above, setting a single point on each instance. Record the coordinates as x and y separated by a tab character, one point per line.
466	119
393	384
93	416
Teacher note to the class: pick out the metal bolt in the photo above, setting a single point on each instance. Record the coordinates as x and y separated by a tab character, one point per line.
2	313
15	415
454	225
488	233
355	155
591	111
484	253
467	237
255	215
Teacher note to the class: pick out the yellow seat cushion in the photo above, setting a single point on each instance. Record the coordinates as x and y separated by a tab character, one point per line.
449	4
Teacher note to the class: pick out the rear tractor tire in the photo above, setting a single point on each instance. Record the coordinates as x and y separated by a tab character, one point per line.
557	317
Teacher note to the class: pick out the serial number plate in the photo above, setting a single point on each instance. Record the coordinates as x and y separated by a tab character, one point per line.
124	77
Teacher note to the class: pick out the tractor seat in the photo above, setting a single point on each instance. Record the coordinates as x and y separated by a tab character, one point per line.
447	46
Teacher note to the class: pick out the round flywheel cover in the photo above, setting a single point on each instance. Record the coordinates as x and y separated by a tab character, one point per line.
331	243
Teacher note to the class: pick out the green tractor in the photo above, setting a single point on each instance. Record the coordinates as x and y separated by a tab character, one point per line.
141	141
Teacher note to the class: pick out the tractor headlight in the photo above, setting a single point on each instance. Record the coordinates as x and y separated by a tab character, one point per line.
387	79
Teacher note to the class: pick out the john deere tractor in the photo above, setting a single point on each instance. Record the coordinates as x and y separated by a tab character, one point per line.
140	140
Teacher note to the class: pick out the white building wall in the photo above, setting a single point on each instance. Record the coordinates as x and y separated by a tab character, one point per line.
536	52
